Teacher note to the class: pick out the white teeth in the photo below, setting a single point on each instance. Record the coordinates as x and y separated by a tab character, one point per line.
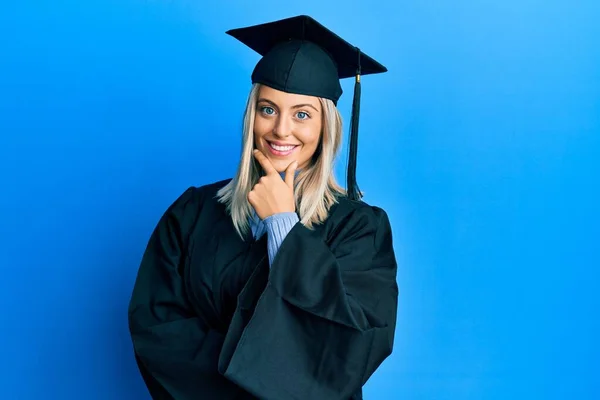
281	148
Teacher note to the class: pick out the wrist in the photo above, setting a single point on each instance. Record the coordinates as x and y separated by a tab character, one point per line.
280	215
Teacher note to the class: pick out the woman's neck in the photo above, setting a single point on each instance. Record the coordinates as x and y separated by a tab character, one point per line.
282	174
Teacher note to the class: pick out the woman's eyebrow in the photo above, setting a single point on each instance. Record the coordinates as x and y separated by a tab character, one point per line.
306	105
263	100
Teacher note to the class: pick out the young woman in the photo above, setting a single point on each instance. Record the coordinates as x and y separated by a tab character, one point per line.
276	284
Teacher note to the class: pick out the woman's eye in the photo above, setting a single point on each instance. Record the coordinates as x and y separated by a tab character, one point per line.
302	115
267	110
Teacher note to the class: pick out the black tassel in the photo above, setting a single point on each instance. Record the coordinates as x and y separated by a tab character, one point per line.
352	186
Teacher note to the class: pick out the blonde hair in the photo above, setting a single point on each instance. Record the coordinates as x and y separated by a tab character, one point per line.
315	187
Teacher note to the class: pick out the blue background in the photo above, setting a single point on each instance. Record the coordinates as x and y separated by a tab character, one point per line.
482	143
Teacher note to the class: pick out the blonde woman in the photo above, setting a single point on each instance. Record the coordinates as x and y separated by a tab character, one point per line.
277	283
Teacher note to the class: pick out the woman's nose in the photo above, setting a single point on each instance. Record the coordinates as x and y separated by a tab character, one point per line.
283	127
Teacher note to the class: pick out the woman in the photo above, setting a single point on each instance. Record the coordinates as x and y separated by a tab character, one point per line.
275	284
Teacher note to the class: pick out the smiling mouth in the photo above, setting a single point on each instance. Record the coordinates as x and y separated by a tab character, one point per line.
281	150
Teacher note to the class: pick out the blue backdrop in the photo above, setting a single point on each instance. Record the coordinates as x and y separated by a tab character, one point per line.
482	143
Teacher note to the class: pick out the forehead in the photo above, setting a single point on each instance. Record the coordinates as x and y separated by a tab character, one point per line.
286	99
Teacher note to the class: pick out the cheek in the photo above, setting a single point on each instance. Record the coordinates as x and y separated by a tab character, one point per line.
261	127
310	135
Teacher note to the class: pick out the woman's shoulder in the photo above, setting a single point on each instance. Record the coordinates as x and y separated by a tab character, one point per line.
346	208
354	215
196	199
198	195
191	205
209	190
354	219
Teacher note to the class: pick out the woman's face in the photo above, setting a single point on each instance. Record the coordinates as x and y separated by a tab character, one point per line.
287	127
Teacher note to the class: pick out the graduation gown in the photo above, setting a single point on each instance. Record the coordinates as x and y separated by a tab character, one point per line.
210	319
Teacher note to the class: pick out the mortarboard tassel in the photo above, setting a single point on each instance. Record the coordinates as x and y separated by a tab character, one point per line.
352	186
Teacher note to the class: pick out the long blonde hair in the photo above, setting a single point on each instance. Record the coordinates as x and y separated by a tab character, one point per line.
315	187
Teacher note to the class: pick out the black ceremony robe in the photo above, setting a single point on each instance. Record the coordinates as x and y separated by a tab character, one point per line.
210	320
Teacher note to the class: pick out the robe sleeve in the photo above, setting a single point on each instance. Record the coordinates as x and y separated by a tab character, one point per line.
176	354
326	319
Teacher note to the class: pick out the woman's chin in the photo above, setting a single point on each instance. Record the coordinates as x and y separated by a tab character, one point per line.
280	164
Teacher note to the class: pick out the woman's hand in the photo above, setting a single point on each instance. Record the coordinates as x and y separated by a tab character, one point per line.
272	195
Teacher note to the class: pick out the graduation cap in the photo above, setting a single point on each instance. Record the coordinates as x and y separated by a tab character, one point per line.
301	56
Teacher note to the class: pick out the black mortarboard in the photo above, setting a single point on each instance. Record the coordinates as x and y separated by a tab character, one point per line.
301	56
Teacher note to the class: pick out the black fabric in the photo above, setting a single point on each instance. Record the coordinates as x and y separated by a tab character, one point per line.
304	57
210	320
353	191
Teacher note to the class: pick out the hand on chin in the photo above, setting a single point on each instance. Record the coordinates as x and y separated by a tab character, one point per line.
273	193
280	164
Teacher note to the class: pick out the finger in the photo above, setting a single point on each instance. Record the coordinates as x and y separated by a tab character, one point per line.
252	198
290	173
264	162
